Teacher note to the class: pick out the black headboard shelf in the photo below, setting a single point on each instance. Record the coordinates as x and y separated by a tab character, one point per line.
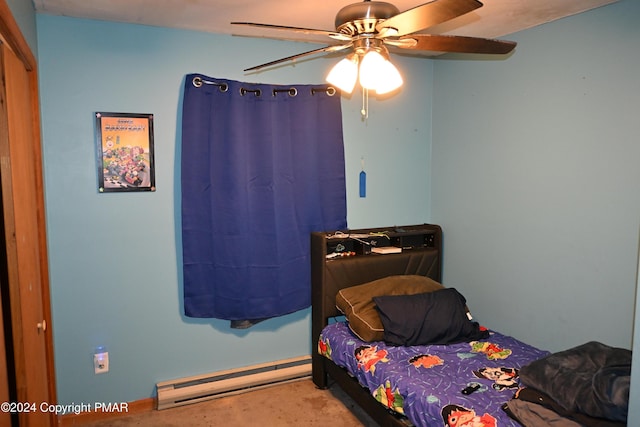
341	243
343	258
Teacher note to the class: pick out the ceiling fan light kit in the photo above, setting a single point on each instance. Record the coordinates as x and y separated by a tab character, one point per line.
369	65
368	27
344	74
379	74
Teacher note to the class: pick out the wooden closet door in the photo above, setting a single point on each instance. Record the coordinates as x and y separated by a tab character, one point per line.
26	262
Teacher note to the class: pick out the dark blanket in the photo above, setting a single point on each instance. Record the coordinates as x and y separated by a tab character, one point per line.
592	379
533	408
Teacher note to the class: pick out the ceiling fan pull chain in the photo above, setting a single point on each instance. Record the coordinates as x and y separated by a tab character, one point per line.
365	104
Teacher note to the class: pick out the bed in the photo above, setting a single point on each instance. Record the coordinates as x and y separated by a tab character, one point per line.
485	368
422	361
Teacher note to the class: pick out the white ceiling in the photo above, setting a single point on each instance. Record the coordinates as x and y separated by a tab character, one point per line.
495	19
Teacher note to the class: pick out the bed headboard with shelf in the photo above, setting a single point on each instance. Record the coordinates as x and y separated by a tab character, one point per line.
341	259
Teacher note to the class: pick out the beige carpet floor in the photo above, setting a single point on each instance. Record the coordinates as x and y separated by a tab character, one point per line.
296	404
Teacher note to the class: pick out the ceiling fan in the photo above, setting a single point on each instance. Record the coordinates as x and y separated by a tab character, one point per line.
368	27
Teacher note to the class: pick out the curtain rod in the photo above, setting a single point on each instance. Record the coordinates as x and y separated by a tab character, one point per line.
199	81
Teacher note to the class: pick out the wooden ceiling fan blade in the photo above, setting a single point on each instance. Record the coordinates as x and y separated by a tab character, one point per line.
333	48
455	44
427	15
328	33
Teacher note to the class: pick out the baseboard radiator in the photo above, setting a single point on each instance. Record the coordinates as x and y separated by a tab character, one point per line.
199	388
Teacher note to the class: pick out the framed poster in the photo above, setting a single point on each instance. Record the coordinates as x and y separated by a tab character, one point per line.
125	152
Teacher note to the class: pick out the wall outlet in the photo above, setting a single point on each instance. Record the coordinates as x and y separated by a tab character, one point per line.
101	362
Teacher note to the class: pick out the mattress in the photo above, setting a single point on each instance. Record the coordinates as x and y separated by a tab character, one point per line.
426	383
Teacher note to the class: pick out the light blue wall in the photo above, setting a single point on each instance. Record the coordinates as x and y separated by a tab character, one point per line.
536	176
115	258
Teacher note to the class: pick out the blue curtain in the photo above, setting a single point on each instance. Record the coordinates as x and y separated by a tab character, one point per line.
262	167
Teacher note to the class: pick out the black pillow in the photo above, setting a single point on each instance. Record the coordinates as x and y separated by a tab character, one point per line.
438	317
